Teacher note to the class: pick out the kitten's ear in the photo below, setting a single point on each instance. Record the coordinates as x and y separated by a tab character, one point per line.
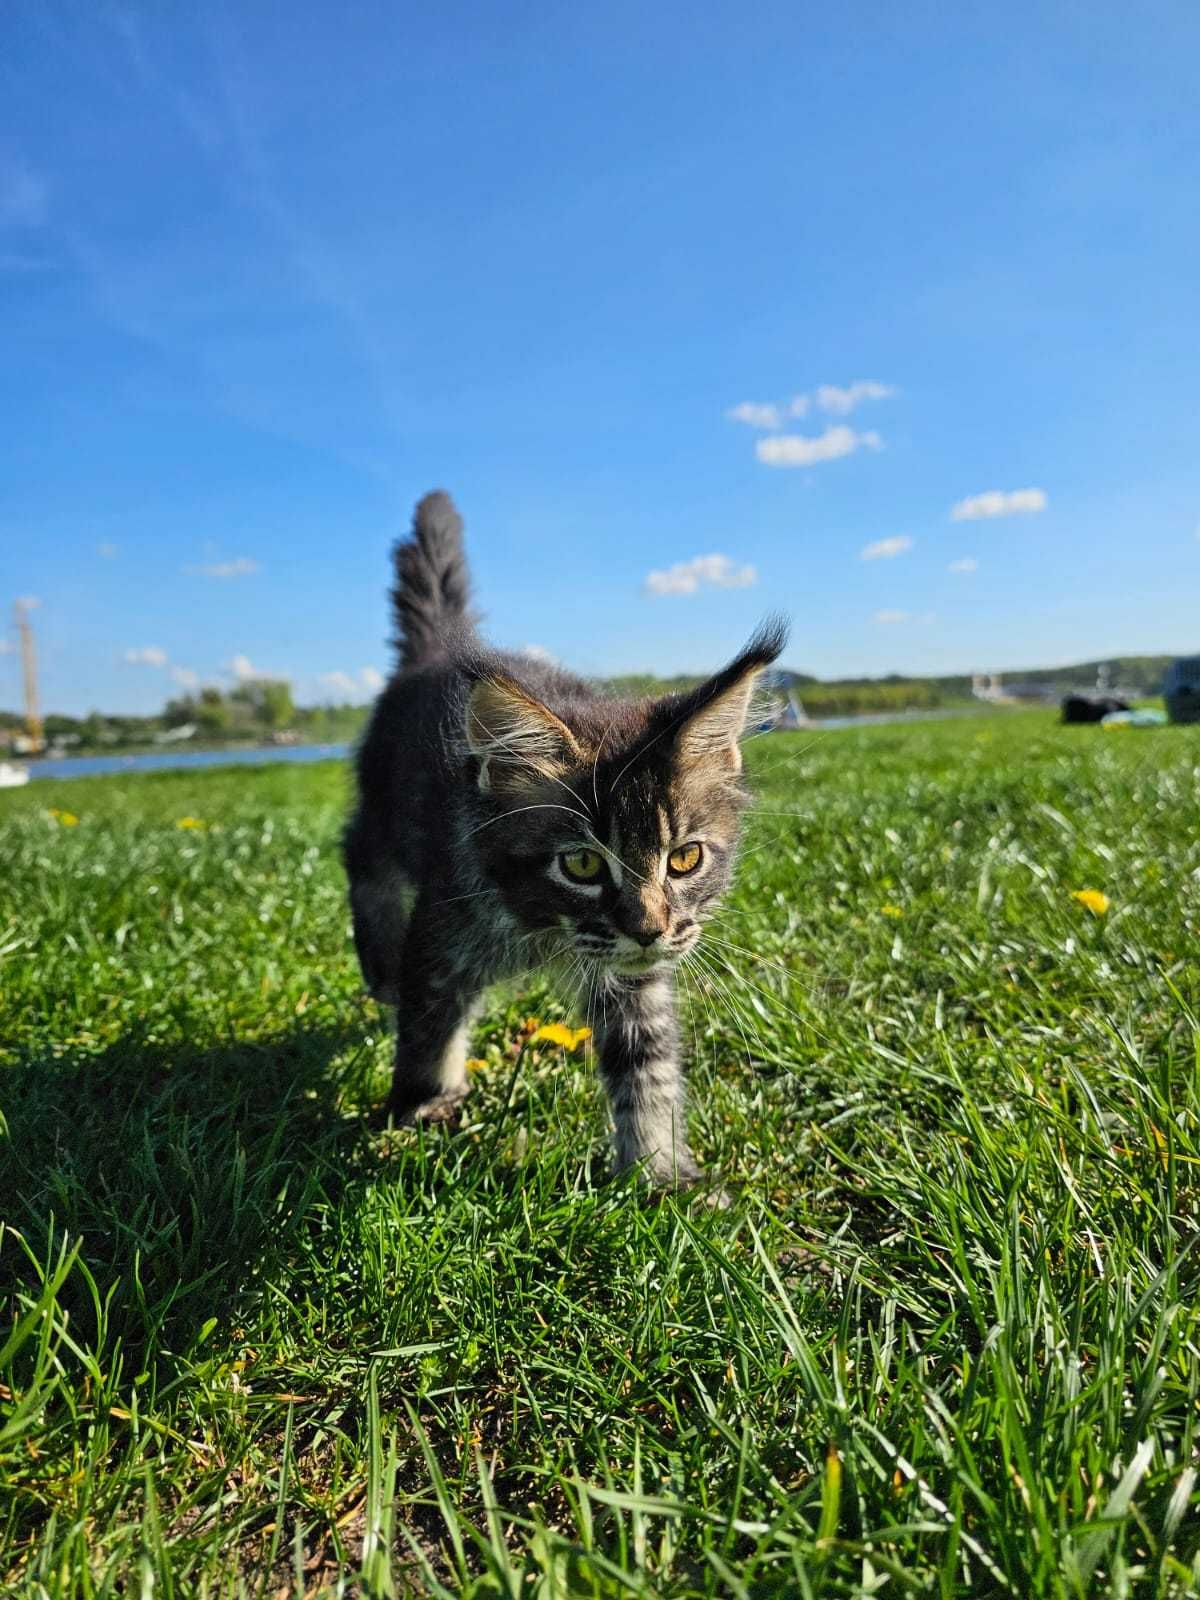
515	738
715	715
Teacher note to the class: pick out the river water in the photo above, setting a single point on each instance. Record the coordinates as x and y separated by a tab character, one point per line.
180	760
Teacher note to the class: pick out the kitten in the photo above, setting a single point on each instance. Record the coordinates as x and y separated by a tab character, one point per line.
508	817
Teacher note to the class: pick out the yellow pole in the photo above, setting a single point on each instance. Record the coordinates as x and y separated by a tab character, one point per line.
33	715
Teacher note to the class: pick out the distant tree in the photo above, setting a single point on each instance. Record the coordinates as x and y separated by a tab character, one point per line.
276	709
213	713
268	701
180	711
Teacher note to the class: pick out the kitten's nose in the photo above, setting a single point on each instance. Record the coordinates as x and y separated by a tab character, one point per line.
646	938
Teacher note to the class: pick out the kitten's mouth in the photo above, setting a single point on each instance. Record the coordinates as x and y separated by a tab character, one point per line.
629	966
626	963
637	969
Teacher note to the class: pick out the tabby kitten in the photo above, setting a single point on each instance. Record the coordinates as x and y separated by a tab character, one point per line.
508	817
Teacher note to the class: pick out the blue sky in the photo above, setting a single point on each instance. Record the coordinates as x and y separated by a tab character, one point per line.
268	273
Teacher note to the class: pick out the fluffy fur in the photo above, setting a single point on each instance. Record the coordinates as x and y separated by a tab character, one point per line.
486	783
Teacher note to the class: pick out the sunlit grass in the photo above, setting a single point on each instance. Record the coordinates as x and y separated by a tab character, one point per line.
945	1341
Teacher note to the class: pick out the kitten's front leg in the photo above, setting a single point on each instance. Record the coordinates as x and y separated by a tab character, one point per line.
436	1004
643	1075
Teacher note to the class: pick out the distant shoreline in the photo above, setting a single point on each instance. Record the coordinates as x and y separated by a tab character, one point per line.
140	760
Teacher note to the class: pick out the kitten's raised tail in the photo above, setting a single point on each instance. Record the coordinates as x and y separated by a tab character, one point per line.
431	593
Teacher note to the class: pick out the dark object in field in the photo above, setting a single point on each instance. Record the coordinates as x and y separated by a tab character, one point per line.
1090	707
1181	689
510	817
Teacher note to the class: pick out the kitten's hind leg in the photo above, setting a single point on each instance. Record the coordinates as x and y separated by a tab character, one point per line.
381	908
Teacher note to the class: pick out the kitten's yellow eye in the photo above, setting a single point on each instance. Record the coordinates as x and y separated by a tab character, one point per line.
585	866
684	860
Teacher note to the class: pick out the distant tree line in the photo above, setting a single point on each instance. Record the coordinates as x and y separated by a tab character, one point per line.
257	710
260	705
263	708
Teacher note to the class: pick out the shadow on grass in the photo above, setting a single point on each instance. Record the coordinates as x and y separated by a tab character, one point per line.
181	1170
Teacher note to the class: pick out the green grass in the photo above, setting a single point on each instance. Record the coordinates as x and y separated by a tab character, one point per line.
945	1341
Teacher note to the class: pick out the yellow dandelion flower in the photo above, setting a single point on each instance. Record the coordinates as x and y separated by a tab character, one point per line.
890	910
65	819
191	822
1094	899
558	1033
475	1064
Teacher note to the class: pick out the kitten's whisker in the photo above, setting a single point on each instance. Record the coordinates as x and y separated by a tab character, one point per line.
766	961
596	762
649	745
696	974
545	805
519	755
795	755
473	895
734	1009
767	994
758	811
790	973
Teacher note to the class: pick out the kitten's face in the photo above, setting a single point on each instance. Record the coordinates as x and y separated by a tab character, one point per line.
619	842
627	874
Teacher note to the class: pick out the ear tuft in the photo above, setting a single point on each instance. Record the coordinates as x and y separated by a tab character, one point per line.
515	738
715	715
712	733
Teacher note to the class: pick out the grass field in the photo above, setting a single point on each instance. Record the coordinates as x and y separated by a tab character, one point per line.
946	1341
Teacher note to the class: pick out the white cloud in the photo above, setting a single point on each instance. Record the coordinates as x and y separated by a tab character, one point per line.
885	549
963	564
239	567
755	414
538	652
843	401
803	450
148	655
244	669
770	417
341	685
339	682
998	503
24	199
685	577
185	677
887	616
107	550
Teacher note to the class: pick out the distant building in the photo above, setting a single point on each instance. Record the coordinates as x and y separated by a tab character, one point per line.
991	687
